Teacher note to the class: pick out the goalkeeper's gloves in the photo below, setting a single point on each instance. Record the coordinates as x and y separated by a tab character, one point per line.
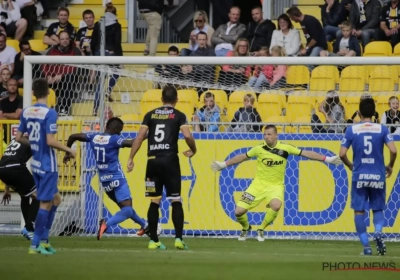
218	165
333	160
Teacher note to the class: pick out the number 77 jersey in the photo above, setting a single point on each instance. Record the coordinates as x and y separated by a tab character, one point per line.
367	140
105	148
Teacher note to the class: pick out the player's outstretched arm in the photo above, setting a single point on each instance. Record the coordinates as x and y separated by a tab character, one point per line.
219	165
393	155
136	146
52	142
317	156
189	141
344	158
81	137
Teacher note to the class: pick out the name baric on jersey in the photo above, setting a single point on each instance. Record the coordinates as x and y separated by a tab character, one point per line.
368	160
155	147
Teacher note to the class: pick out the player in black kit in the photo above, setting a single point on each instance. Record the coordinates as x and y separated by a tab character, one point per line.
163	125
15	175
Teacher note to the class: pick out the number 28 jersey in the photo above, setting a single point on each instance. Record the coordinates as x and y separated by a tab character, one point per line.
105	148
39	120
164	124
367	140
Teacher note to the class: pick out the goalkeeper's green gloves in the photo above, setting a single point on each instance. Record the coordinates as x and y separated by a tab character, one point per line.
218	165
333	160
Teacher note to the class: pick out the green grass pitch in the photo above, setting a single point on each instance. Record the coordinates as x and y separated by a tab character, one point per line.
208	258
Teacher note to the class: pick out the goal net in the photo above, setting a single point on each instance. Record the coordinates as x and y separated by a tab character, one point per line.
227	102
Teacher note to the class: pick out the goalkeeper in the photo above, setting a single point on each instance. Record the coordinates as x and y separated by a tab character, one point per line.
268	184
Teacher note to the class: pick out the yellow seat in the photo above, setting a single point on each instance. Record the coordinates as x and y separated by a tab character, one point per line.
302	128
131	118
382	79
14	44
231	109
279	122
38	45
351	105
299	106
281	93
236	101
189	93
151	99
269	105
239	95
51	99
326	72
185	105
297	75
378	48
396	51
322	84
382	103
353	78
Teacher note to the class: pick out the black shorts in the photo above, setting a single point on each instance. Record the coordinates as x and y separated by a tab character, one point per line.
18	178
11	29
163	171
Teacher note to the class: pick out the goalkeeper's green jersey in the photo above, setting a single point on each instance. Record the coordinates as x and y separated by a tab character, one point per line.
271	163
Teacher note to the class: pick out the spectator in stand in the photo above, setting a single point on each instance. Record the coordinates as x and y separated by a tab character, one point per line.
28	12
313	31
246	114
220	9
259	31
84	34
152	11
113	48
346	8
63	78
236	75
169	71
364	19
392	116
208	115
200	73
332	15
286	36
51	37
3	28
226	35
348	45
261	72
7	54
390	23
5	76
11	106
334	113
10	14
200	22
18	74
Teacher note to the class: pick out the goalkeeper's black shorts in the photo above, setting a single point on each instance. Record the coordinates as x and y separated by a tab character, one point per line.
18	177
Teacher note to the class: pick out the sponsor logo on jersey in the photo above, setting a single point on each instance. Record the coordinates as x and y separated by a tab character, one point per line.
119	142
367	127
36	163
370	184
106	177
150	186
101	139
271	162
53	127
374	177
368	160
247	198
36	112
163	114
390	137
344	140
159	147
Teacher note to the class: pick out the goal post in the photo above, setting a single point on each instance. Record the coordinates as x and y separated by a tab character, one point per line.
317	195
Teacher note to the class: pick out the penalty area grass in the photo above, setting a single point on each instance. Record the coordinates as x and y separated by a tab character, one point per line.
207	258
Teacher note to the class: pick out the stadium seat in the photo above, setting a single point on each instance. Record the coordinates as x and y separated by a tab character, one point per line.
51	100
183	93
353	78
396	51
381	79
38	45
278	119
382	103
281	93
239	95
236	101
131	118
302	128
378	48
151	99
351	105
269	105
297	75
322	84
326	72
299	106
14	44
185	105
